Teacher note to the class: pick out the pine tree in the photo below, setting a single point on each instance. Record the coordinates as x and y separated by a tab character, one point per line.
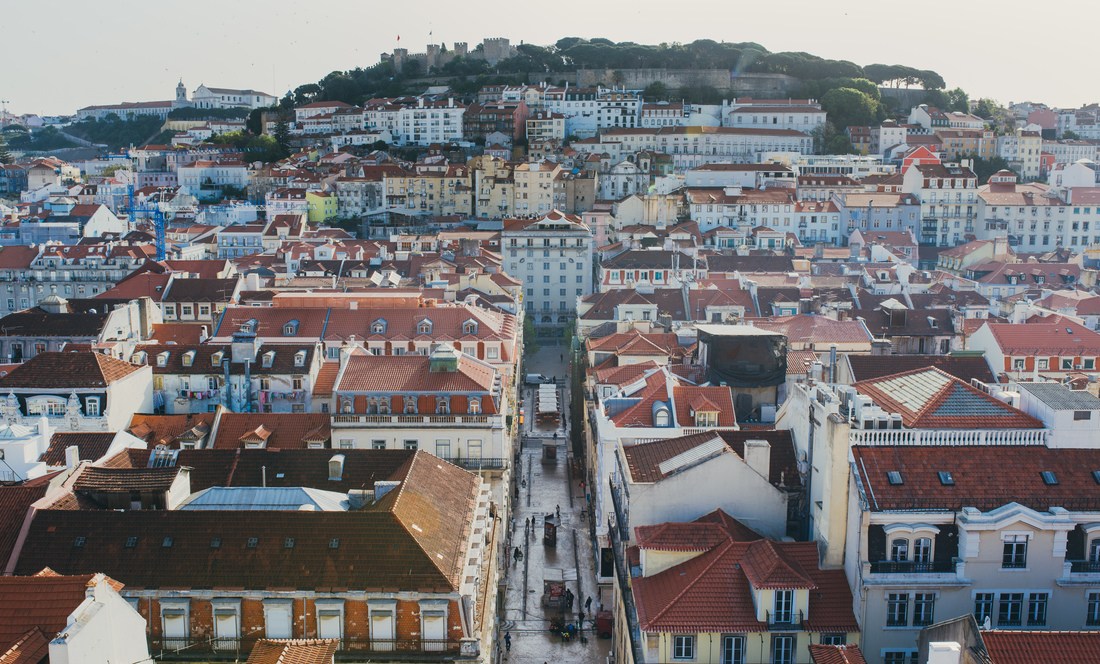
282	134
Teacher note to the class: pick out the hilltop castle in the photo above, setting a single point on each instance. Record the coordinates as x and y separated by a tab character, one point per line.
491	50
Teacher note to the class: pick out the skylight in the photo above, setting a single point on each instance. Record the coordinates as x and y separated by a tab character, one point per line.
131	542
288	543
252	542
1096	476
216	543
166	543
946	478
894	477
334	543
1049	478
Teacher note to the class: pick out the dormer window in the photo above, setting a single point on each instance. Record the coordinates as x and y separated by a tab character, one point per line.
290	329
378	326
442	406
300	358
139	357
216	358
384	406
469	327
661	417
249	325
189	358
706	418
268	359
424	327
475	405
162	359
410	405
346	405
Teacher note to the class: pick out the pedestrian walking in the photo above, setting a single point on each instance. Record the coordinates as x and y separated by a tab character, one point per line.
508	642
557	510
588	603
580	622
517	556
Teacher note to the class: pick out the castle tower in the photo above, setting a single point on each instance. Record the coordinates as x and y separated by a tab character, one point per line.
461	49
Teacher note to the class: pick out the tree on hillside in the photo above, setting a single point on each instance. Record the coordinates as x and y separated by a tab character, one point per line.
848	106
983	168
656	91
281	134
948	100
5	156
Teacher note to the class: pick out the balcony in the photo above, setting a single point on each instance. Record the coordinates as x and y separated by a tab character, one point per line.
911	567
783	622
947	436
351	648
347	420
1084	566
482	463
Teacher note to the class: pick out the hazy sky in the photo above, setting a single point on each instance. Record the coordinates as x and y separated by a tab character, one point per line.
58	57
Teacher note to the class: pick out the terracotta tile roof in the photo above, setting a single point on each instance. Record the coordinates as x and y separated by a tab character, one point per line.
985	476
414	538
38	323
326	379
15	500
52	370
866	367
644	459
1029	647
38	602
410	373
91	445
811	329
800	361
201	290
144	284
170	429
846	654
766	565
96	479
31	648
271	321
623	375
1061	338
690	399
180	333
284	430
698	535
633	342
400	323
711	592
930	398
297	651
282	361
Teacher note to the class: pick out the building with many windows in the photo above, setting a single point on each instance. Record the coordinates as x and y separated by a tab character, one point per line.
552	255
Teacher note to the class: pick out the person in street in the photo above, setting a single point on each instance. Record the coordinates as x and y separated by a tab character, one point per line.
517	556
557	510
580	621
588	603
508	642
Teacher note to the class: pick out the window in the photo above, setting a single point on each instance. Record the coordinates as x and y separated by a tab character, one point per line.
660	417
131	542
1082	415
899	550
1037	609
412	445
1015	552
733	649
1094	551
834	639
1049	478
378	444
277	619
784	606
894	478
946	478
924	605
1009	609
173	615
897	609
330	619
783	649
91	407
252	542
983	607
922	550
683	647
475	405
1092	617
899	657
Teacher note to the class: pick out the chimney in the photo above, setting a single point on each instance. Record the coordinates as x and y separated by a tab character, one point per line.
944	652
758	455
72	457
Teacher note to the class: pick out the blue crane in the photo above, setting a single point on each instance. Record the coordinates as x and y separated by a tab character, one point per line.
146	211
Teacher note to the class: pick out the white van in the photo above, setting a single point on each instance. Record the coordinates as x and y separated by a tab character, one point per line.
536	379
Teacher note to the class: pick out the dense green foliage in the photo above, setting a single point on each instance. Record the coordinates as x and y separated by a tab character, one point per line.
43	140
983	168
5	156
116	133
255	148
819	75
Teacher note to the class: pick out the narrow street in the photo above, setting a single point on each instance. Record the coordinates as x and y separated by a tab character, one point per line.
545	485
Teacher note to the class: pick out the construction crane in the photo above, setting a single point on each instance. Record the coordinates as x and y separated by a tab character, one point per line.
149	211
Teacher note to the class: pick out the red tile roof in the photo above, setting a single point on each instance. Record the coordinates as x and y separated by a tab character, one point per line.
52	370
38	602
846	654
410	373
644	459
1030	647
15	500
930	398
703	534
767	565
169	429
91	446
711	592
1061	338
867	367
96	479
284	430
31	648
985	476
297	651
414	538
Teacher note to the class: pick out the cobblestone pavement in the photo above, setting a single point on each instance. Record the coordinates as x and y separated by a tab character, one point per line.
545	485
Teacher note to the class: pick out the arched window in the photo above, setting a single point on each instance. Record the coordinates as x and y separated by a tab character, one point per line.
442	406
410	405
424	327
384	406
660	418
372	405
475	405
378	327
346	406
899	550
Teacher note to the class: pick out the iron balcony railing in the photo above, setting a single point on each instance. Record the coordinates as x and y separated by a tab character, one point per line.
790	620
354	648
912	567
1084	566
